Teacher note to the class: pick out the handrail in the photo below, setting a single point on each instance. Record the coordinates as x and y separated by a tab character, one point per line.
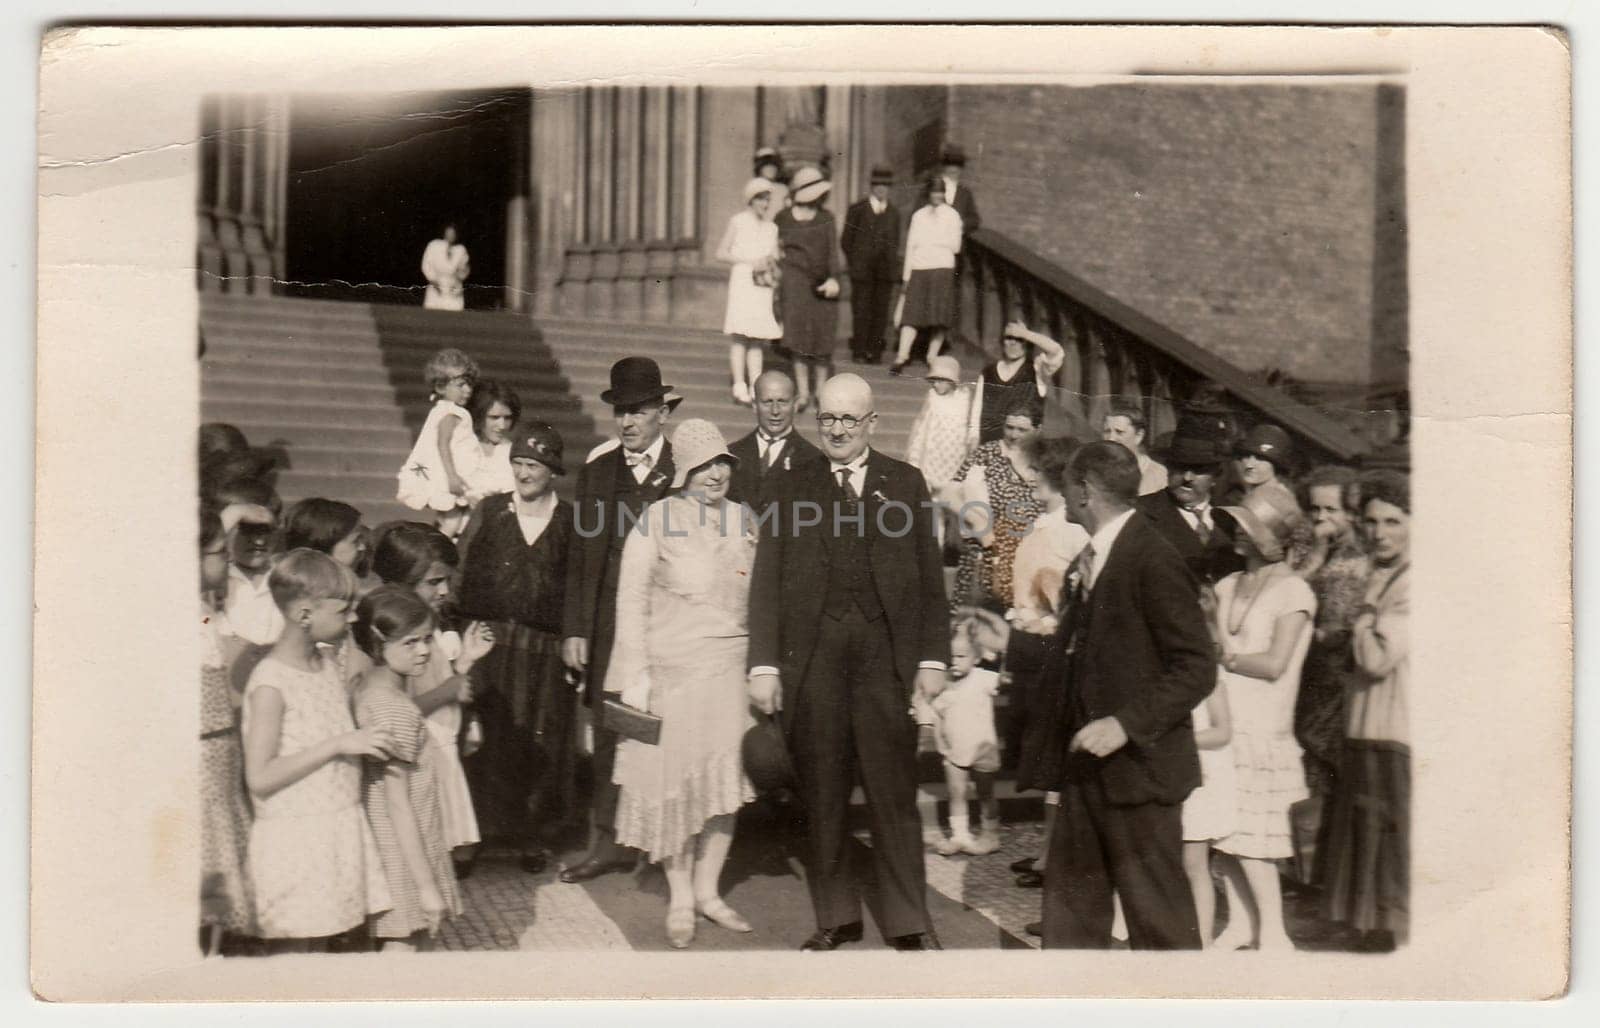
1306	422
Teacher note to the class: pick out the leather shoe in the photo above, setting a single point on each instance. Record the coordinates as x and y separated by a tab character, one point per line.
534	863
1025	864
593	868
833	938
1030	880
1034	928
912	941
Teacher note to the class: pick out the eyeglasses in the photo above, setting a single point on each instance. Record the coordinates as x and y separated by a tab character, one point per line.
848	421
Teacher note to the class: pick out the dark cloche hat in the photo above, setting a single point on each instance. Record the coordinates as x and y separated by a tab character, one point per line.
538	441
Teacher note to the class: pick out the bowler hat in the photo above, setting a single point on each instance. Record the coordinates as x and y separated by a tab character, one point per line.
634	380
809	185
1270	443
953	154
538	441
765	756
882	175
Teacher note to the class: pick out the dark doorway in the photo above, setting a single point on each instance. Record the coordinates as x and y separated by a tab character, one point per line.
372	179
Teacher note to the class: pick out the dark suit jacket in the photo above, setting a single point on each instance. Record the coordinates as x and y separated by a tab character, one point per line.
1146	659
790	579
871	242
750	484
1209	562
594	557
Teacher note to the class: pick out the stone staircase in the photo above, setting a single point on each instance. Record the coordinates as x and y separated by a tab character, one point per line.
337	387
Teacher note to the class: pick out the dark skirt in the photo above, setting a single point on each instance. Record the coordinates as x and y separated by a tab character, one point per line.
1366	861
930	299
1036	703
809	322
524	778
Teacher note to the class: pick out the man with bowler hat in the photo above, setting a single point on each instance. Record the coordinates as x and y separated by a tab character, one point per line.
952	162
613	489
1182	512
847	620
871	242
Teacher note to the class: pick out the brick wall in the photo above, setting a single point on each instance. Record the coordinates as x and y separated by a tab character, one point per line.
1252	219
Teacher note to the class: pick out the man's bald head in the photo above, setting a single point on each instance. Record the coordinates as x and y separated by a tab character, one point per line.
845	396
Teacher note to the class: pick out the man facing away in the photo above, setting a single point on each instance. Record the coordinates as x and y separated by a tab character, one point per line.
1133	649
847	618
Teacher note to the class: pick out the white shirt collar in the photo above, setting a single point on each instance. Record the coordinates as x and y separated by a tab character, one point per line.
1102	541
950	187
877	204
654	450
855	467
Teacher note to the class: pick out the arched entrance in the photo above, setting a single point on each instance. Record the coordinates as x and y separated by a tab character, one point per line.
371	179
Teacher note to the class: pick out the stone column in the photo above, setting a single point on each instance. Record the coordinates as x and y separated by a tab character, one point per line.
629	173
656	205
553	195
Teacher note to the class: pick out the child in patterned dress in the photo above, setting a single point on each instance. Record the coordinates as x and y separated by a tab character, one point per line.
942	436
420	558
395	628
437	473
313	863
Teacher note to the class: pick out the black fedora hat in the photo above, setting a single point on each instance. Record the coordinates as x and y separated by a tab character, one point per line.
765	755
1196	443
882	174
953	154
634	380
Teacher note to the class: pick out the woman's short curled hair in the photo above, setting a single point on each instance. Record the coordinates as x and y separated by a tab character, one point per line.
1052	457
319	524
403	551
1386	484
385	614
1343	478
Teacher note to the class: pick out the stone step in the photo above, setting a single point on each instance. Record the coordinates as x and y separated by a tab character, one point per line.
242	365
274	430
266	412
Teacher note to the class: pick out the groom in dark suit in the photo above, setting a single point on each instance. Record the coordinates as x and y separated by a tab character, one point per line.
771	453
1136	658
613	489
847	618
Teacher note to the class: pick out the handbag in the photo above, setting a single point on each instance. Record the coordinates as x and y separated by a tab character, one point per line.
631	722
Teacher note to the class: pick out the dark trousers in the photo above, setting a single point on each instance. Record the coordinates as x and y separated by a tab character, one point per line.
869	314
1136	850
604	801
848	719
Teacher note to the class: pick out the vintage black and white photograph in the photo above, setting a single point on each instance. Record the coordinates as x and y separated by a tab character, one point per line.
792	514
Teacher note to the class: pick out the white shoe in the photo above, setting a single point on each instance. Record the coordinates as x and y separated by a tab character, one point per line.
961	843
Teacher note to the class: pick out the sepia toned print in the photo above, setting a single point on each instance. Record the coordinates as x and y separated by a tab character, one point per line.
1041	584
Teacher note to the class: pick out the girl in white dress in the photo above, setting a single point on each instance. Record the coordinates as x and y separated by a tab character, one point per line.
421	558
940	440
495	409
1209	812
750	247
1263	628
313	863
435	474
445	265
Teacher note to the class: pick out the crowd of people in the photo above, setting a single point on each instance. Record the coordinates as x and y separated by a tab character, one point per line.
1203	651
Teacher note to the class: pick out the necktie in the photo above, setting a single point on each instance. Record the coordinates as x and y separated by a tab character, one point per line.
1078	602
1085	569
636	460
770	456
1201	529
847	485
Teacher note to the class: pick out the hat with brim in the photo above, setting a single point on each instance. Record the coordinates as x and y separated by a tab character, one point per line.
538	440
695	444
809	185
1196	443
882	175
953	154
767	155
634	380
1262	517
944	368
757	186
765	756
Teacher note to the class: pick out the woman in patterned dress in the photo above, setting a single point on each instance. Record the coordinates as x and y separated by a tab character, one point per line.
682	639
225	901
999	507
395	629
1263	628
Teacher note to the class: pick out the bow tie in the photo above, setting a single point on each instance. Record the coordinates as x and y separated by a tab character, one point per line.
636	460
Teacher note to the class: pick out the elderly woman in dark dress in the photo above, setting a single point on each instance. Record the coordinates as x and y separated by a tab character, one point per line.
808	268
513	576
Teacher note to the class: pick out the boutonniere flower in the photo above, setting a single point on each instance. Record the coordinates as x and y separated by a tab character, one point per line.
786	462
877	494
658	480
